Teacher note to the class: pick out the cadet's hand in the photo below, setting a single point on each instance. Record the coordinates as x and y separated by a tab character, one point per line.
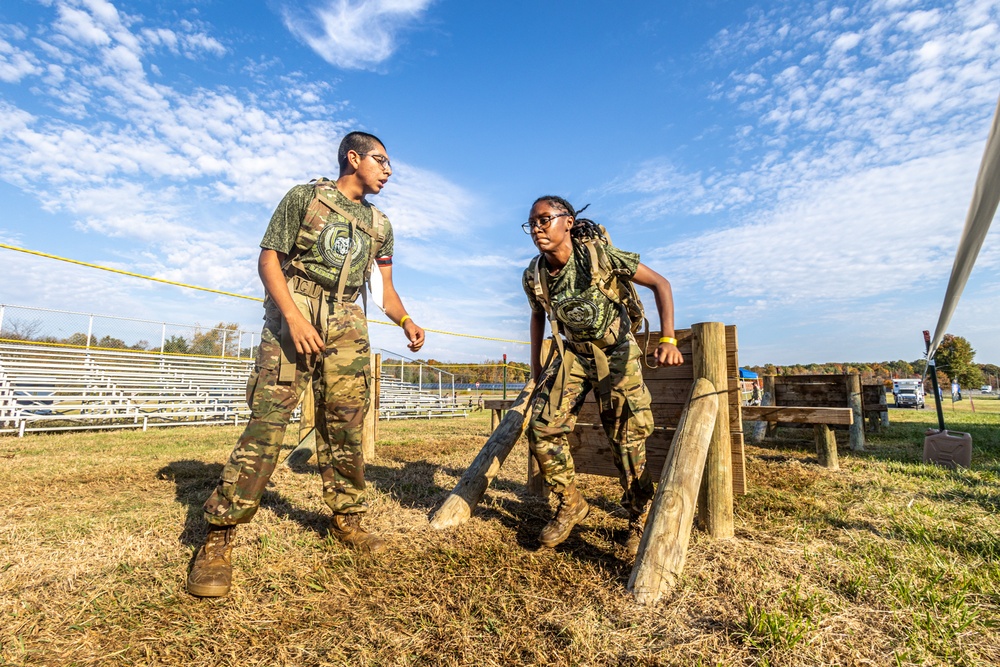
668	355
414	334
307	340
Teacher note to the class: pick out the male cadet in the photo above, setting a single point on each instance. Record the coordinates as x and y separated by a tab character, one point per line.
315	258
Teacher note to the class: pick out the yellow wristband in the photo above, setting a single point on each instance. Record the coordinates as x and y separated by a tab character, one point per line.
668	339
403	321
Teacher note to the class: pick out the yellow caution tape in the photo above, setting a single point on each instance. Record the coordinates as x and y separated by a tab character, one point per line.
233	294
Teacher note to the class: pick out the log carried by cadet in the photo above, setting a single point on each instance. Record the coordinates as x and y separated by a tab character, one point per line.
457	508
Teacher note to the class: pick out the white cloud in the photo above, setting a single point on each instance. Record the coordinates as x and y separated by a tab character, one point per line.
352	34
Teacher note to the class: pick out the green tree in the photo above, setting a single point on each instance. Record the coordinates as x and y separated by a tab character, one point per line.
176	344
954	358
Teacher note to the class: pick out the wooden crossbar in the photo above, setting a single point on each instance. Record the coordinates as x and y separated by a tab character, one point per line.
796	415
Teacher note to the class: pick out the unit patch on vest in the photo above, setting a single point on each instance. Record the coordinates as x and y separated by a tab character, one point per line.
578	314
335	242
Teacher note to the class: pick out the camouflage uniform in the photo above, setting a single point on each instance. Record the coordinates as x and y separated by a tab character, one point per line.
341	373
591	320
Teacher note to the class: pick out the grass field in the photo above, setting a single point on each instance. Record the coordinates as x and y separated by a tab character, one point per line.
888	561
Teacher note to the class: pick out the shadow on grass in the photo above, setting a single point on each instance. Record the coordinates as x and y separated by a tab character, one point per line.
194	482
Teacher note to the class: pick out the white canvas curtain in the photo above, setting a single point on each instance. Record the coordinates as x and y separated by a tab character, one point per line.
977	223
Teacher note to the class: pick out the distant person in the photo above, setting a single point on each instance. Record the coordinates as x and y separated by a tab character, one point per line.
755	396
315	257
598	351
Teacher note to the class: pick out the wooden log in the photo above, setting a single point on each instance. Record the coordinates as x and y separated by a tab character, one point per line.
663	549
709	362
854	402
826	447
457	507
800	415
884	415
772	427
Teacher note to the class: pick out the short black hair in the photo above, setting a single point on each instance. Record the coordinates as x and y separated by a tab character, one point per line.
359	142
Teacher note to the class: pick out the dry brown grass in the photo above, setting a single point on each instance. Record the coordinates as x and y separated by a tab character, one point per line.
885	562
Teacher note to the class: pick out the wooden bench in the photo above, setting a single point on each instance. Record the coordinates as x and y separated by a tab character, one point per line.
821	418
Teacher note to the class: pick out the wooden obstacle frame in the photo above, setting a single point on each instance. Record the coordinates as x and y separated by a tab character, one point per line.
827	402
669	387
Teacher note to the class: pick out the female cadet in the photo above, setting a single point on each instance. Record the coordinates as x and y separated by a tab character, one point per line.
598	352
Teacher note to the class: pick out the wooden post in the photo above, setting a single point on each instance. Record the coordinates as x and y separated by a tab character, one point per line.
772	427
307	429
709	358
457	507
826	446
377	392
853	381
758	429
884	415
371	417
663	549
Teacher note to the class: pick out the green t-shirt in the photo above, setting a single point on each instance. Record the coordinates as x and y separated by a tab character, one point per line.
325	258
583	310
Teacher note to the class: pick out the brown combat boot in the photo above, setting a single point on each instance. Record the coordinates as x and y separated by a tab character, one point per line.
212	573
572	510
347	528
636	524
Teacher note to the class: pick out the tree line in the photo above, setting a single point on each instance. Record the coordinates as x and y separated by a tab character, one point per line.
221	340
954	359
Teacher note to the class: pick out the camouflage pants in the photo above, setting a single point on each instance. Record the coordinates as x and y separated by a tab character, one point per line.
341	376
626	418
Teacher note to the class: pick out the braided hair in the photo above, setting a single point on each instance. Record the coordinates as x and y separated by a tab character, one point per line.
583	228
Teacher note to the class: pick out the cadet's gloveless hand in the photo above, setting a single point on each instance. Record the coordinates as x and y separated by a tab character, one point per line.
414	334
307	340
668	355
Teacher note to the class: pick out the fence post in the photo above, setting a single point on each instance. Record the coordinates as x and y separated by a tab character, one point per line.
90	330
163	338
224	332
3	309
854	401
709	361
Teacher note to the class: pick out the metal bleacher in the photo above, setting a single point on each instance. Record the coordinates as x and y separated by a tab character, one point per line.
405	400
55	388
61	388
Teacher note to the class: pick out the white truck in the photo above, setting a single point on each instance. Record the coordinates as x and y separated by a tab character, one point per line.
909	393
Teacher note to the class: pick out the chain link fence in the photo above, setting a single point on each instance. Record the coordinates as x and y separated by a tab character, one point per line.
106	332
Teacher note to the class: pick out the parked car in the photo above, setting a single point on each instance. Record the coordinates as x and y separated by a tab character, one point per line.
986	389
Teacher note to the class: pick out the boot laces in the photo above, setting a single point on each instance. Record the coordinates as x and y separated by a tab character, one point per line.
217	542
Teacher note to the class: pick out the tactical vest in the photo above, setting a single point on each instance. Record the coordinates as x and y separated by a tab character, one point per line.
323	205
605	278
619	291
312	300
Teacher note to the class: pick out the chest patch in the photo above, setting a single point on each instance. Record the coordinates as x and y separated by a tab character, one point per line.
577	313
335	243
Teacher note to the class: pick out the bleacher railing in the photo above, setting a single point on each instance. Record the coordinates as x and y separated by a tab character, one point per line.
90	331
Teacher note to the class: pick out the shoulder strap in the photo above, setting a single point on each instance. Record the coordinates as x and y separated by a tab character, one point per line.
540	280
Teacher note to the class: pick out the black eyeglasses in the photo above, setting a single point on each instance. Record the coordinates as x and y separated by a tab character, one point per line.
382	160
542	222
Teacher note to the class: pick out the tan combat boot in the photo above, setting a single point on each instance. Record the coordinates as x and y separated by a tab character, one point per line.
636	524
572	510
212	573
347	528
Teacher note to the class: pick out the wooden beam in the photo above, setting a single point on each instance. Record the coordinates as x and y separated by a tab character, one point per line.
716	500
663	549
798	415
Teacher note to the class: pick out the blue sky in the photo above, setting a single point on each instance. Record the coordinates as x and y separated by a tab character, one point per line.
801	170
